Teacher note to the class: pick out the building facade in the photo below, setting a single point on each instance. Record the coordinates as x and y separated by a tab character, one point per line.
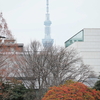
87	43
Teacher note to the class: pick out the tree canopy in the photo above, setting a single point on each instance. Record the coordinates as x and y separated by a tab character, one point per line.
72	91
46	67
97	85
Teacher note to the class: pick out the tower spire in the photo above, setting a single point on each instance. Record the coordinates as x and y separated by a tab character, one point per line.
47	41
47	6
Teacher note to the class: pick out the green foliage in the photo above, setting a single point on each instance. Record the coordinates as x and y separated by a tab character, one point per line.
13	93
97	85
15	90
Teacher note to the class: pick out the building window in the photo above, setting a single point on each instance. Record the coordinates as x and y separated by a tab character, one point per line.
79	37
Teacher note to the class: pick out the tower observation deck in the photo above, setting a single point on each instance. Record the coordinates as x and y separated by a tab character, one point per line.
47	41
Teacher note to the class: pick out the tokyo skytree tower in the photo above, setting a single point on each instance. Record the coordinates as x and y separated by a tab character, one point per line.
47	41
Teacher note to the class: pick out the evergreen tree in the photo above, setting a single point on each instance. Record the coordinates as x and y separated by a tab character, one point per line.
97	85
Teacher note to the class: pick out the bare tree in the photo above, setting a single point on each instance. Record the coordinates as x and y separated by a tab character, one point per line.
7	49
45	67
8	52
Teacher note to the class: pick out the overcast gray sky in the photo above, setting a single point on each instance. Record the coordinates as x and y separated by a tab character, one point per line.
25	18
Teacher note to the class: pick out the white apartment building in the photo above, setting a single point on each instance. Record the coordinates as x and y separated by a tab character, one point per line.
87	43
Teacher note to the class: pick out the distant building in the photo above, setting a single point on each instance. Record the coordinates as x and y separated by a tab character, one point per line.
47	41
87	42
10	45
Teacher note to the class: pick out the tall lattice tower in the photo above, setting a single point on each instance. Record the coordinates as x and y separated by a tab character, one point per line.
47	41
